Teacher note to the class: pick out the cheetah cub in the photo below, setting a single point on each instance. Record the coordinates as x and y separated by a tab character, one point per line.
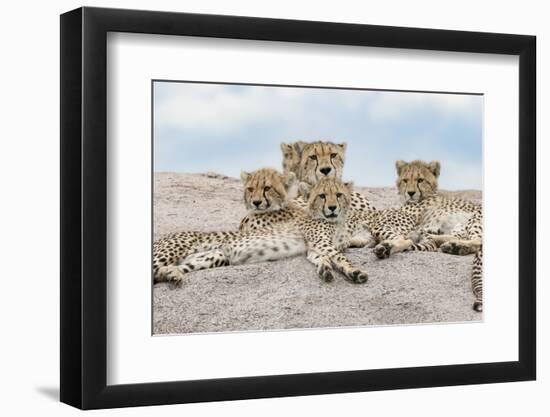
453	224
320	233
310	162
326	230
265	193
313	161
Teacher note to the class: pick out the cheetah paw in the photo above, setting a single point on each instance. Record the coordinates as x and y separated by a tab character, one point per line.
172	274
326	274
358	277
478	306
454	248
382	250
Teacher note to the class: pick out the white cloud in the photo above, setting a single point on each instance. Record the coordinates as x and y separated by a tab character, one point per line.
211	108
214	108
366	120
388	106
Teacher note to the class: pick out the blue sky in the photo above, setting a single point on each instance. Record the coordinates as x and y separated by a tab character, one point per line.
231	128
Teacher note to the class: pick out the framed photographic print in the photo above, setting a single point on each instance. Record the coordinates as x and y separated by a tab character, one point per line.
258	207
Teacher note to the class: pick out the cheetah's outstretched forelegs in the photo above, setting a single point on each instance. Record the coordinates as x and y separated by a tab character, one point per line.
323	265
350	272
326	263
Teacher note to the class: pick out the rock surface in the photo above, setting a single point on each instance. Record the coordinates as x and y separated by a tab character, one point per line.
408	288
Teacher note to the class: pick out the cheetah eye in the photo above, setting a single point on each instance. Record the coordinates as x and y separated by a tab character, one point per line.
339	195
405	181
420	180
313	157
250	189
323	196
267	188
287	155
333	155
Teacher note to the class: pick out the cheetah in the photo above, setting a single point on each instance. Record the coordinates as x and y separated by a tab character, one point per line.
309	163
327	229
399	229
268	199
312	161
265	193
321	234
454	225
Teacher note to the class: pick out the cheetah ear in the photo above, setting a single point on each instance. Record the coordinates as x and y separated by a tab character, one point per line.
244	176
399	165
349	186
435	167
285	147
305	189
299	146
288	179
343	146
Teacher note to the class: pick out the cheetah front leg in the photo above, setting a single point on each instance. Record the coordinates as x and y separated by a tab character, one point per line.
460	242
323	265
344	265
464	239
325	258
461	246
390	246
422	242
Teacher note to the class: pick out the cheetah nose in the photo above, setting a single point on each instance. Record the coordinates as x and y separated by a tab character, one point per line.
332	208
257	203
325	170
411	193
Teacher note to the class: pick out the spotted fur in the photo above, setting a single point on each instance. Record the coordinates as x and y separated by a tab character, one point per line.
266	190
326	231
297	160
282	209
321	159
321	233
456	225
417	180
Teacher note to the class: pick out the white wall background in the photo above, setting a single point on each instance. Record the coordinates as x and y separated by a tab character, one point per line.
29	161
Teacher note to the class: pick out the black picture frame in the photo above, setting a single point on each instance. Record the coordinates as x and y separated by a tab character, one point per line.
84	207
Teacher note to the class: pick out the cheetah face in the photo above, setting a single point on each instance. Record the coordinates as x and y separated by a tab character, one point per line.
321	160
329	199
417	180
266	189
